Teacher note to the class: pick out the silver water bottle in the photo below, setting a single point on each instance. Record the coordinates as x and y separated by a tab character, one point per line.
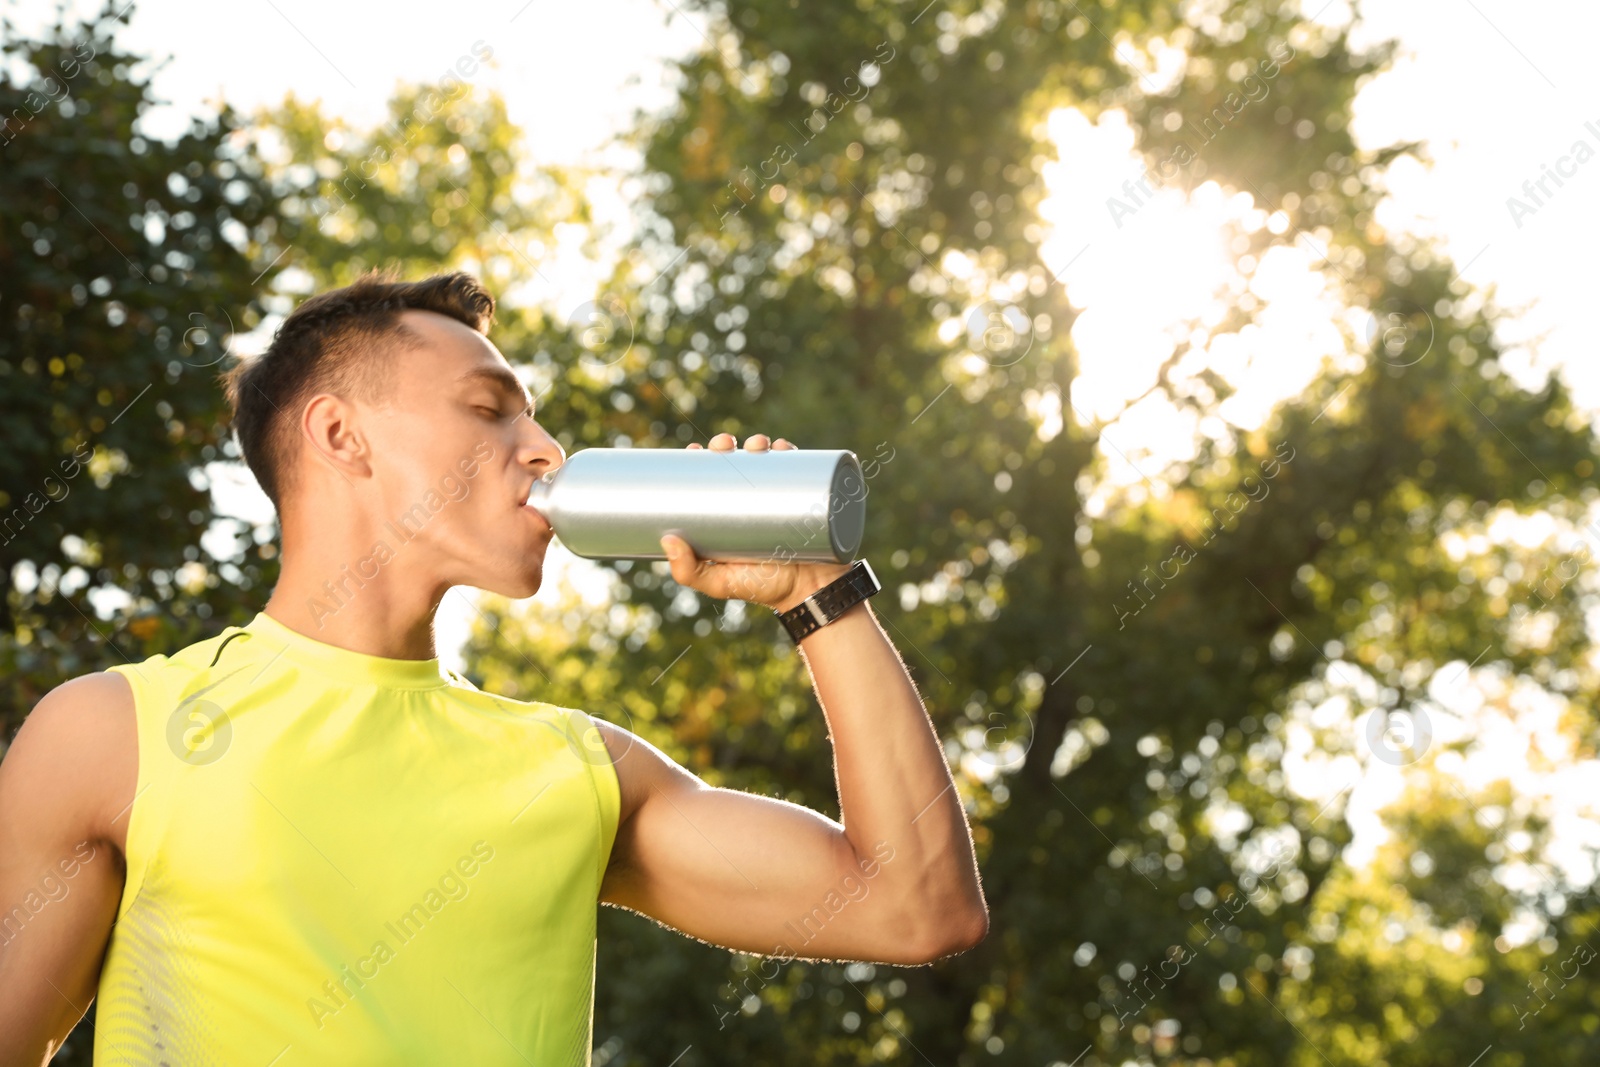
793	505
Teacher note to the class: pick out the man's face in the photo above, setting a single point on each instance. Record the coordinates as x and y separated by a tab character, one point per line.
455	451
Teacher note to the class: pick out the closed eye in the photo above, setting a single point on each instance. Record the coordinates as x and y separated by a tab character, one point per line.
505	386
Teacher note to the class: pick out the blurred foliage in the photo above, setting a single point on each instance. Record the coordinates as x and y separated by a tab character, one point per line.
1159	894
446	179
126	267
816	170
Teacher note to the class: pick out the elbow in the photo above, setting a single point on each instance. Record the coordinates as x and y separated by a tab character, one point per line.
954	917
954	932
973	930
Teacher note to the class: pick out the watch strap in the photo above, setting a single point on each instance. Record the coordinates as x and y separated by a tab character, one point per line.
831	601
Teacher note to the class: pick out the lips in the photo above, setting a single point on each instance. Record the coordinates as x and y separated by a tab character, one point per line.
529	509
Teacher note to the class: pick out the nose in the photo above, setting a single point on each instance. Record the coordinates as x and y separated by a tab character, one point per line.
537	451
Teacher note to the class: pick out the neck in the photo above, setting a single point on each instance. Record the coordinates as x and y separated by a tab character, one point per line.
363	592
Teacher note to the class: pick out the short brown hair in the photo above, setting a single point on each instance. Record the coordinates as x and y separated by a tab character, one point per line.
331	343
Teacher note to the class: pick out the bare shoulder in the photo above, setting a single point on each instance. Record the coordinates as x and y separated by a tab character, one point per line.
75	761
71	767
641	767
643	771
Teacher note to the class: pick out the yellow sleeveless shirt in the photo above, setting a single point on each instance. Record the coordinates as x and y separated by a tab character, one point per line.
340	858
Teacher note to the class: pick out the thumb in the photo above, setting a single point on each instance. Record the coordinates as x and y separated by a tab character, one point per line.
680	557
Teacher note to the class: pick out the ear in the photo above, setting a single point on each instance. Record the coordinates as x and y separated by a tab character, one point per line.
332	426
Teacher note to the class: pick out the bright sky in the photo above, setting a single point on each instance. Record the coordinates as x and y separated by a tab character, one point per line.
1494	90
1499	90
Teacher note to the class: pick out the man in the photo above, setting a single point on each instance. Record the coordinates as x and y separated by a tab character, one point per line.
302	841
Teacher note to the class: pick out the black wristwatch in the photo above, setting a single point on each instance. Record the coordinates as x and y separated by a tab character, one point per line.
831	601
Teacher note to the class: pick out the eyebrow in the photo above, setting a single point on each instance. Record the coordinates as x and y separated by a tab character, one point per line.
501	380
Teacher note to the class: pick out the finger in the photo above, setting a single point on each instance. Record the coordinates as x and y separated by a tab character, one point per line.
783	442
757	442
694	444
724	442
686	566
720	580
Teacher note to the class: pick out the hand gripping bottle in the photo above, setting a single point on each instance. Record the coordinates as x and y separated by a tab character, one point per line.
793	505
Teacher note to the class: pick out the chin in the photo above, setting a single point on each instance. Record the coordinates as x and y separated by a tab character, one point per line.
514	569
515	586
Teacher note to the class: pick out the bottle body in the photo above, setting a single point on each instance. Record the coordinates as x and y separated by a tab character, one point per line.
793	505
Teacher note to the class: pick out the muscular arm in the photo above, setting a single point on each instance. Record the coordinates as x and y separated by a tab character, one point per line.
64	786
894	882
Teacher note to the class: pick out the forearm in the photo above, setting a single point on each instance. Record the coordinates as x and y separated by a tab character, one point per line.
895	792
894	784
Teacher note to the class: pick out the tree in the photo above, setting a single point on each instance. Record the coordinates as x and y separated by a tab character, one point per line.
1120	685
815	170
128	265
